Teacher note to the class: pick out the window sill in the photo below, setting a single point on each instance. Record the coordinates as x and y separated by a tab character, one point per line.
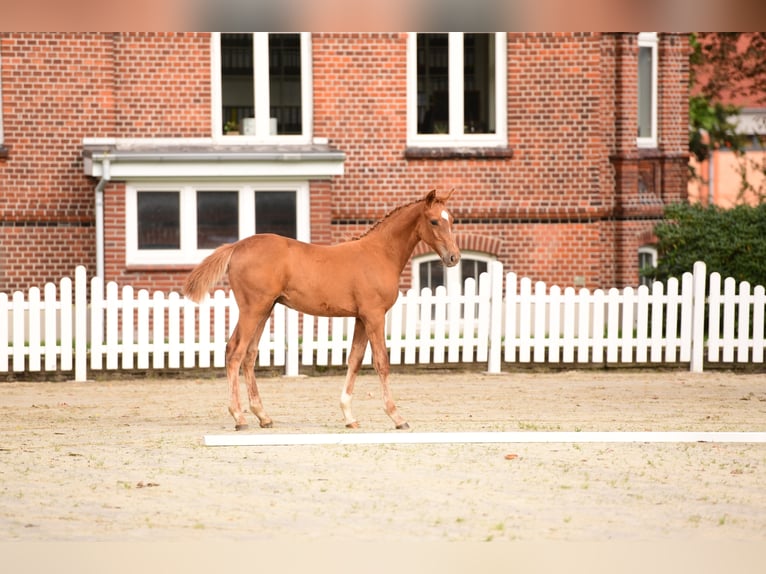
458	152
167	267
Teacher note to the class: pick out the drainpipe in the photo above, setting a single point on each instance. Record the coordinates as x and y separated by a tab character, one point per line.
710	174
105	176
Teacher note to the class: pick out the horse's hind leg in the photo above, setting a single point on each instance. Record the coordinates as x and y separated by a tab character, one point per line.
233	361
248	366
355	356
236	350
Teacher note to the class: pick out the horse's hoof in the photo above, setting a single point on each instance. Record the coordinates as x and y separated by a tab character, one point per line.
240	427
353	425
403	426
267	425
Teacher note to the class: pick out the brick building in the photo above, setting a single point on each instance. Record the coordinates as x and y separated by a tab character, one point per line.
136	154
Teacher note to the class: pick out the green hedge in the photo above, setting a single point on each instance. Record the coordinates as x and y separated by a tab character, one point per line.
729	241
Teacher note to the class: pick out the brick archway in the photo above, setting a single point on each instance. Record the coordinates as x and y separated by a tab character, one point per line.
468	242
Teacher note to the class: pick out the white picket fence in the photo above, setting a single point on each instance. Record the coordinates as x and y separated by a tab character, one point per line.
500	319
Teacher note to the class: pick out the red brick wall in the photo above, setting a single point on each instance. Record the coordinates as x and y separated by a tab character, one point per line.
162	86
565	207
56	88
552	188
60	88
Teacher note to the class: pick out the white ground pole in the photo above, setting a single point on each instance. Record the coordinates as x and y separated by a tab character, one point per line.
267	439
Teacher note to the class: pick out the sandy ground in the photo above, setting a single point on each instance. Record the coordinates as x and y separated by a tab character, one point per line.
124	461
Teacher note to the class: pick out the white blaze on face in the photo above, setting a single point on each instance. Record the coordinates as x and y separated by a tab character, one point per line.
445	215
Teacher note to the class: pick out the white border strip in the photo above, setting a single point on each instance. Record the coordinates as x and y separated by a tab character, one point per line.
481	437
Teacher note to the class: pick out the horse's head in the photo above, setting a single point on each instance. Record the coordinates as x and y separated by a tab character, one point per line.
435	228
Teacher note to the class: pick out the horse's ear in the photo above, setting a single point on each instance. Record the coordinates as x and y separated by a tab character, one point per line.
446	197
430	198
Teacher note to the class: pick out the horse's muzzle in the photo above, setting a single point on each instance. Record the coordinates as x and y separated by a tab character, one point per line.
451	259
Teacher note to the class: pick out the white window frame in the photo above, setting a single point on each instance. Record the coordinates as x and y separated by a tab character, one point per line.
456	136
188	254
261	100
452	276
650	40
651	251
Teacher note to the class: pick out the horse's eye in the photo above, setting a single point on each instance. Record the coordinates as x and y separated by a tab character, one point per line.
434	222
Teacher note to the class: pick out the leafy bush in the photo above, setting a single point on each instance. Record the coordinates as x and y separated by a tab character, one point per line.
729	241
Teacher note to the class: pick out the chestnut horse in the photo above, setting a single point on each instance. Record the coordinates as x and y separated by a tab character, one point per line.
358	278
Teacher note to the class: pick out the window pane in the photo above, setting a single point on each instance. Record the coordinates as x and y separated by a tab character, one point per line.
479	83
285	82
645	90
472	268
217	218
159	220
237	83
433	83
275	212
431	274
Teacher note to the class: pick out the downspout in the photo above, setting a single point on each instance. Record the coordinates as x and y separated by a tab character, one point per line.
710	175
105	176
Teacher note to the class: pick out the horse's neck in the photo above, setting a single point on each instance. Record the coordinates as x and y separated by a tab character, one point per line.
396	235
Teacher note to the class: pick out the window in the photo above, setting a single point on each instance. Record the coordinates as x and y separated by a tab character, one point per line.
647	90
262	87
429	271
456	89
181	224
647	259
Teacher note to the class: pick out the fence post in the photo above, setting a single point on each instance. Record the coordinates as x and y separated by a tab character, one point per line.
698	317
495	317
80	324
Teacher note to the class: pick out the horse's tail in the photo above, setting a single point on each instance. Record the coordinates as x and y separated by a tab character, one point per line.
208	273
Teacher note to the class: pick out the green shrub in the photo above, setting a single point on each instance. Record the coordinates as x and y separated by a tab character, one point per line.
729	241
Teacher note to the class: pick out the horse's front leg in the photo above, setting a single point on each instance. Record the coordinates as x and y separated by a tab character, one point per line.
355	356
376	334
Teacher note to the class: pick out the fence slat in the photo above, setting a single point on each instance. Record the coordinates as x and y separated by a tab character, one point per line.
19	332
743	323
142	329
34	347
50	311
511	293
81	313
729	314
658	303
642	323
158	330
424	336
568	344
525	320
627	342
440	325
613	325
584	325
127	327
496	318
540	328
293	348
5	312
483	316
469	320
759	302
66	325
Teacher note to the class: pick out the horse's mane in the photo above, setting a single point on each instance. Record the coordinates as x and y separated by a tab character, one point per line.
384	218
